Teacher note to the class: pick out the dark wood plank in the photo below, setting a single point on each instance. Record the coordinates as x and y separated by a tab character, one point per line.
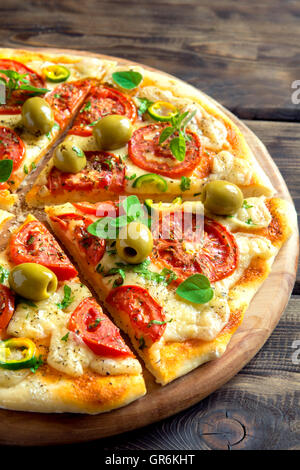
245	54
258	409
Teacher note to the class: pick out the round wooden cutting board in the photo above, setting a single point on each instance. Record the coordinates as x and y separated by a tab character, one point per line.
19	428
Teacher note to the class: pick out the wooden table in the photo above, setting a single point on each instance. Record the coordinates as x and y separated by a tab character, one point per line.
246	55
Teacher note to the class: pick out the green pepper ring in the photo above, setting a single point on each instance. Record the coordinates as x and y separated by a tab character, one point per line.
56	73
160	182
159	105
30	356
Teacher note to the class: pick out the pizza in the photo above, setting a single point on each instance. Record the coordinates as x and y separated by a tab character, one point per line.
171	224
213	146
60	353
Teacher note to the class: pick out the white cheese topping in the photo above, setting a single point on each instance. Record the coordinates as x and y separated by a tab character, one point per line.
230	168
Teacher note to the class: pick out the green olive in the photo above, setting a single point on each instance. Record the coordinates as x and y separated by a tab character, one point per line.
222	198
134	243
37	115
112	132
32	281
69	158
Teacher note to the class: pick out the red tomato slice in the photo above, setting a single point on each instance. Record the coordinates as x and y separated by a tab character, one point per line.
97	331
11	147
66	98
216	259
7	306
142	309
92	248
102	101
145	152
33	243
14	103
103	171
99	209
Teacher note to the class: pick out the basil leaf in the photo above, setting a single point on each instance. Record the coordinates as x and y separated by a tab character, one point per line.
6	167
103	228
165	134
196	289
178	148
127	79
246	205
4	273
67	300
133	208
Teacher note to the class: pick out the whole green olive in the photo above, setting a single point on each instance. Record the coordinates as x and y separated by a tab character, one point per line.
112	132
222	197
134	243
69	158
32	281
37	115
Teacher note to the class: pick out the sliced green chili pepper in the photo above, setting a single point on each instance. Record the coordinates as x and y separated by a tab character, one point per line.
25	346
151	178
56	73
162	111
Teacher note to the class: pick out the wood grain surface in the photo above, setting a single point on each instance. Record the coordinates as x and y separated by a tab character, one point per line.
246	55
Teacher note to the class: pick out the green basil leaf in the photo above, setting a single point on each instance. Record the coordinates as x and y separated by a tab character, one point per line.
185	183
128	79
165	134
178	148
103	228
133	208
196	289
6	167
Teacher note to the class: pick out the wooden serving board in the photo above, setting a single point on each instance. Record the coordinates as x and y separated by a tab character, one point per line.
19	428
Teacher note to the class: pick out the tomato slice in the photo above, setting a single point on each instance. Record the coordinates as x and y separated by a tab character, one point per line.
89	246
217	258
33	243
7	306
97	331
99	209
142	309
66	98
100	102
103	171
14	103
145	152
11	147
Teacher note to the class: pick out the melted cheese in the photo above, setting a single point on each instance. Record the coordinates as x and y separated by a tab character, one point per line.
230	168
253	214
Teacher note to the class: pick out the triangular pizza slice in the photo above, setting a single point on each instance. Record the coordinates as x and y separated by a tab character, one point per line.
42	94
59	352
160	139
179	298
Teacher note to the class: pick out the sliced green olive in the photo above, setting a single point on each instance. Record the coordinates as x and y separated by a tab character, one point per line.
69	158
222	198
134	243
112	132
37	115
32	281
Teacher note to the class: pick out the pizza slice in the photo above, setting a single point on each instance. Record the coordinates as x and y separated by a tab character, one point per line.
59	352
59	85
173	141
180	298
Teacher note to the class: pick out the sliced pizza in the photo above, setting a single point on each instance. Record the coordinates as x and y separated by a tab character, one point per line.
43	93
178	297
59	352
158	137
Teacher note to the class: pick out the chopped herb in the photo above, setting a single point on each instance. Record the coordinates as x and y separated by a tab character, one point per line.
39	362
93	325
144	104
56	95
6	167
142	344
66	337
33	166
166	276
25	169
185	183
30	240
4	273
87	107
246	205
129	178
157	322
67	300
78	151
249	222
